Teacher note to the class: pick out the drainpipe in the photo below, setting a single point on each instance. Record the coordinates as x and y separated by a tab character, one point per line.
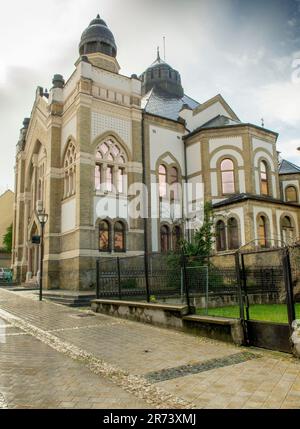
145	219
186	189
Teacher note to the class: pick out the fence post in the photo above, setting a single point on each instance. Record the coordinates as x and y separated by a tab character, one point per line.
241	297
97	279
119	278
185	281
146	266
287	272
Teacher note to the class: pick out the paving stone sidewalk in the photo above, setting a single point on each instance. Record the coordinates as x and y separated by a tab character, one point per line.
201	372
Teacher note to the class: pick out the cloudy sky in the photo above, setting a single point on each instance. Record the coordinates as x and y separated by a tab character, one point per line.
249	51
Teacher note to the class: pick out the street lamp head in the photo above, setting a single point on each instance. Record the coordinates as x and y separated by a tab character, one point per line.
43	217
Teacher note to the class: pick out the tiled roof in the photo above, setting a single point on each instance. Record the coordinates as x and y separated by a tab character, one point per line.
162	104
220	121
244	196
287	167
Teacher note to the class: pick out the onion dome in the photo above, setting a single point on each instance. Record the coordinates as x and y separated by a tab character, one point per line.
162	77
97	37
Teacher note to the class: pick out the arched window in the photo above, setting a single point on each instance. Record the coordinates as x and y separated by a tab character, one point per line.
162	179
70	171
227	176
174	180
176	237
287	230
220	236
110	167
233	234
264	186
119	237
291	194
104	236
262	232
164	238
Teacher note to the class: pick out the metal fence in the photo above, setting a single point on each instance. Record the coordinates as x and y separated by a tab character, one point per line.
175	278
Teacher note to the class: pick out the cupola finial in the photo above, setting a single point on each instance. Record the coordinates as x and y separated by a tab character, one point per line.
158	56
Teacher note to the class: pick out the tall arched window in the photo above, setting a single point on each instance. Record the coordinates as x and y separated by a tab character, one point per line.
220	236
233	234
119	237
262	232
174	180
162	179
104	236
164	238
287	230
110	167
70	171
264	186
291	194
176	233
227	176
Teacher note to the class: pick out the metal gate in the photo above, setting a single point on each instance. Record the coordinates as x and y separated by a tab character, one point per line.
266	292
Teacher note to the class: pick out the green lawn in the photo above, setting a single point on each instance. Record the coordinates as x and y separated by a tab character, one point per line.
267	312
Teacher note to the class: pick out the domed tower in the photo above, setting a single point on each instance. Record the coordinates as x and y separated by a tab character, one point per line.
163	78
98	44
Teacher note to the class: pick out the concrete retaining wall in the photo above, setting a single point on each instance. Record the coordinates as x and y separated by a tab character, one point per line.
173	316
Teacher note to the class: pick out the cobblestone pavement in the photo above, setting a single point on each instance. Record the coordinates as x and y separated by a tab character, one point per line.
56	356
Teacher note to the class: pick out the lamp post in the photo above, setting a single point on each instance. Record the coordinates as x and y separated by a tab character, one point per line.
43	217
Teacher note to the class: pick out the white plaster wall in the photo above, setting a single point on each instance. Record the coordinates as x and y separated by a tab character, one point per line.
274	187
163	140
220	142
109	206
206	115
214	184
68	215
103	123
259	144
226	152
262	154
193	158
242	182
68	129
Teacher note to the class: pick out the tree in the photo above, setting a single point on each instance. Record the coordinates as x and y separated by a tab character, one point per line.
7	239
203	236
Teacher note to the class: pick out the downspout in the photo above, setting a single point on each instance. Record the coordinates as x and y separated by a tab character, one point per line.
145	212
186	189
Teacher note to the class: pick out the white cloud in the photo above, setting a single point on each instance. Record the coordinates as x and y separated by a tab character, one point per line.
281	102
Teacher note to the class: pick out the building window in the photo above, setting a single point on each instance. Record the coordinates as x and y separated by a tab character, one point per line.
110	167
220	236
264	187
262	232
164	238
233	234
173	177
291	194
227	176
119	237
176	233
104	236
70	171
162	179
287	230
